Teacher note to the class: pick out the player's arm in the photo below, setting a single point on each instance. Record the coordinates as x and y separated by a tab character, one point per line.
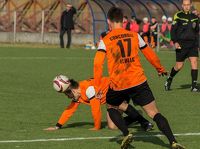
68	112
197	32
151	56
96	113
173	32
95	107
98	64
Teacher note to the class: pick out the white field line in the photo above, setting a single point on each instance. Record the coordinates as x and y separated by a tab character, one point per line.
43	58
91	138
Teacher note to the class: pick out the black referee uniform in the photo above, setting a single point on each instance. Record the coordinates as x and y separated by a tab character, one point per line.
185	31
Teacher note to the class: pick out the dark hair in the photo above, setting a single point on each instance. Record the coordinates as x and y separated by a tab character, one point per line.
115	14
73	84
125	17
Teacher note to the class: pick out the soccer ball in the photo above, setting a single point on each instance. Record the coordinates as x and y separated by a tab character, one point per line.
61	83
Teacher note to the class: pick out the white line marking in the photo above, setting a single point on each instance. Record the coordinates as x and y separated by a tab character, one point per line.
91	138
42	58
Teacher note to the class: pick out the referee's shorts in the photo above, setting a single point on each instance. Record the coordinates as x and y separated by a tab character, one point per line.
187	50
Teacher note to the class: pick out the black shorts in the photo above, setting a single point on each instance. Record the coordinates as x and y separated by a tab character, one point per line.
141	95
187	50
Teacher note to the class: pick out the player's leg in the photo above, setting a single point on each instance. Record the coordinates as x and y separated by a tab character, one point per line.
117	119
181	55
134	115
62	32
178	66
115	98
144	97
194	73
162	124
110	123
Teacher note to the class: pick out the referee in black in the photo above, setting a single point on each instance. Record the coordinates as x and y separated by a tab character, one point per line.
185	36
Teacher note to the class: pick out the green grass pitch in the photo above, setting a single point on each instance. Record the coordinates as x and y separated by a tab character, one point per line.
28	102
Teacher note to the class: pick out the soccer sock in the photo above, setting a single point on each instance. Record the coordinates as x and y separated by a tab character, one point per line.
194	74
173	73
163	126
134	115
118	120
128	120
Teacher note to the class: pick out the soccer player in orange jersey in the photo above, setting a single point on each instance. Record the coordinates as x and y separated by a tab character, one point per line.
127	78
83	92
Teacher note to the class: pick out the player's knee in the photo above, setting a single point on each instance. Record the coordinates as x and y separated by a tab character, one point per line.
194	65
152	112
112	126
179	66
123	106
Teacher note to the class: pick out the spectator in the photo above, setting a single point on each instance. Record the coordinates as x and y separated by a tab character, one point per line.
134	25
153	31
164	24
145	30
67	24
165	32
126	23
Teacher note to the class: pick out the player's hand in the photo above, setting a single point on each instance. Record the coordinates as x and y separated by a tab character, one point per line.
162	72
177	45
99	94
94	129
51	128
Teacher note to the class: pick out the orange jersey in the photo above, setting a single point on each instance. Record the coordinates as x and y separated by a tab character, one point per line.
121	48
88	97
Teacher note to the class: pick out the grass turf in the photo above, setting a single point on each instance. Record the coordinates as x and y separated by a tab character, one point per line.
28	103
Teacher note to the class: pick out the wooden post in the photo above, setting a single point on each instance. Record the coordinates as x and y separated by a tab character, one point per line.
42	28
15	25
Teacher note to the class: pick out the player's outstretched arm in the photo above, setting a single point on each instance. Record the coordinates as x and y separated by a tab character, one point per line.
65	116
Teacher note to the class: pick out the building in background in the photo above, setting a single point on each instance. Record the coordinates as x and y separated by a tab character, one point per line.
42	17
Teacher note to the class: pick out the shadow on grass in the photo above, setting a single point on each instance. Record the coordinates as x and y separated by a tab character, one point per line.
145	137
186	86
81	124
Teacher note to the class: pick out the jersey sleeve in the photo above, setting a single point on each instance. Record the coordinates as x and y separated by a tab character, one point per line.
197	32
68	112
98	68
96	112
151	56
101	46
90	92
142	43
174	28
